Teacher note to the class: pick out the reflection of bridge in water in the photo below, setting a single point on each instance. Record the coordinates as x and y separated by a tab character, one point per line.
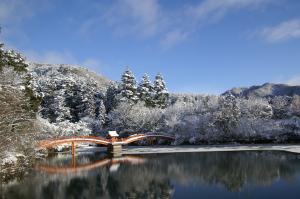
114	144
113	163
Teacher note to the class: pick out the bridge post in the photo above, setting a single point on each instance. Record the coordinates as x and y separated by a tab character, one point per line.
73	148
114	150
73	155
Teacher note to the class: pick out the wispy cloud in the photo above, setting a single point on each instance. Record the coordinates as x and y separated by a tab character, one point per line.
172	38
216	9
194	17
282	32
294	81
143	18
13	14
10	11
150	18
63	57
51	57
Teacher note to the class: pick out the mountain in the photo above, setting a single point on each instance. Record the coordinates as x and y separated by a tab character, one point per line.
267	90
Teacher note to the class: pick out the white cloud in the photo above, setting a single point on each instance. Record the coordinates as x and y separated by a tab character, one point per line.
194	17
64	57
172	38
216	9
294	81
88	25
13	14
13	11
138	18
51	57
92	62
284	31
143	18
150	18
170	25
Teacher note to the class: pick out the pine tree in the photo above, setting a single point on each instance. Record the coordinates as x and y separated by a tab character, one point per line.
100	111
111	100
12	59
161	95
128	87
145	91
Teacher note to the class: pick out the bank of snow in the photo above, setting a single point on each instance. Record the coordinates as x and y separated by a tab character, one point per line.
135	150
210	148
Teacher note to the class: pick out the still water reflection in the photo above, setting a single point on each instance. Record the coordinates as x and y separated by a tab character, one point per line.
184	175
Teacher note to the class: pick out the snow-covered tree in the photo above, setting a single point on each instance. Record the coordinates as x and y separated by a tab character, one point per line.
255	108
161	95
68	93
128	87
17	107
280	106
111	97
145	91
135	118
1	55
228	114
12	59
294	108
100	110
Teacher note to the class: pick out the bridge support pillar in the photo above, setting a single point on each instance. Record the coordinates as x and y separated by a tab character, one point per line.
73	148
114	150
73	155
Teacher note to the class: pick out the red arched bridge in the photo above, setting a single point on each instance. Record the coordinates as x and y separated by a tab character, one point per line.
115	141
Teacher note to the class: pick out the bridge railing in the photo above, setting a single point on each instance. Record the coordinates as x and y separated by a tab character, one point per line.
138	137
99	140
65	140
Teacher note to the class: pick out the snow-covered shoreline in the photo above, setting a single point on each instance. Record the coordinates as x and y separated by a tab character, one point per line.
294	148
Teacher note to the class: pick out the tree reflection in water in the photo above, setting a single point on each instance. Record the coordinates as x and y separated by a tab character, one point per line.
154	176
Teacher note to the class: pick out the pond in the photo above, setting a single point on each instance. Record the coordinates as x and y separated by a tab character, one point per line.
248	174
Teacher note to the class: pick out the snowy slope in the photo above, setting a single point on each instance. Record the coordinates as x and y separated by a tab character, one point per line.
69	93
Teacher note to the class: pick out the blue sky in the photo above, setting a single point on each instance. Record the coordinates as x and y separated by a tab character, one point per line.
200	46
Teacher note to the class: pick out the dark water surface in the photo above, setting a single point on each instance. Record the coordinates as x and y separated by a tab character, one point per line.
184	175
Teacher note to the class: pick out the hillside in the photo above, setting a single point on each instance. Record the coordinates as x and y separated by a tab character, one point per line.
72	98
63	73
267	90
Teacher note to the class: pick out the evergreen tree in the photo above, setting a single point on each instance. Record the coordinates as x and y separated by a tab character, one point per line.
111	99
128	87
12	59
15	61
100	111
18	108
161	95
145	91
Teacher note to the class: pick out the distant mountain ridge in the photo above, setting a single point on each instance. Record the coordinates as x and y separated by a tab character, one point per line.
267	90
